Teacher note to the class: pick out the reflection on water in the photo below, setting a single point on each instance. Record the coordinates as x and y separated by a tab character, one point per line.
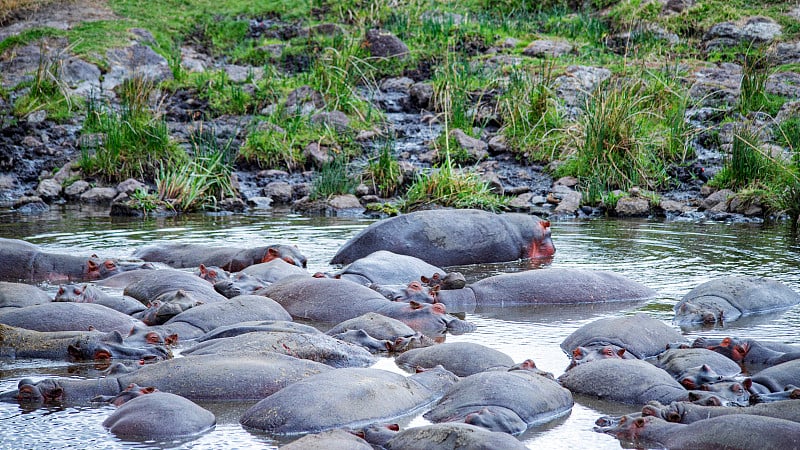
671	258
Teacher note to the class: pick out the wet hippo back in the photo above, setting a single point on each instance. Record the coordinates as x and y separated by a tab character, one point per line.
640	334
159	416
66	316
19	295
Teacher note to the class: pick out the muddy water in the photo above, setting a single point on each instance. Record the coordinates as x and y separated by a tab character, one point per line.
669	257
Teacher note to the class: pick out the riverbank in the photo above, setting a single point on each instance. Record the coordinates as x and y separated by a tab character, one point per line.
335	109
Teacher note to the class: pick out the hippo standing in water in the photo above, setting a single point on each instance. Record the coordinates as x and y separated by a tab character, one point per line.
23	261
186	255
449	237
726	299
159	416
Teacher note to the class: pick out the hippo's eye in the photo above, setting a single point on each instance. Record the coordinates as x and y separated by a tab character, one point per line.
673	416
61	290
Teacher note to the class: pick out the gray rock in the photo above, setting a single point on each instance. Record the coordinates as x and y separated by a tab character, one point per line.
82	77
279	192
497	144
38	116
633	207
135	60
787	53
327	29
240	74
421	95
568	204
673	207
397	84
384	44
334	119
522	202
102	195
345	202
547	48
716	198
761	30
317	155
475	148
49	189
786	84
717	86
788	110
577	82
756	30
305	100
130	186
77	188
677	6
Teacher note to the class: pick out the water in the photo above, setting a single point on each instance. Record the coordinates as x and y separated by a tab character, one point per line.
671	257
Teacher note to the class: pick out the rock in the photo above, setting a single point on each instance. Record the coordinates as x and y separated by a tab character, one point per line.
326	29
786	84
136	60
546	48
789	110
82	77
397	84
497	144
716	198
569	202
677	6
761	30
345	202
384	44
717	86
475	148
621	43
36	117
521	202
787	53
49	189
317	155
632	207
568	181
333	119
240	74
30	204
756	30
304	100
421	95
673	207
130	186
76	189
279	192
102	195
577	82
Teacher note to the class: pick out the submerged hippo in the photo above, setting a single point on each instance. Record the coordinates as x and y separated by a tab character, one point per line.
89	293
334	301
449	237
387	268
461	358
685	412
547	286
350	397
329	440
214	378
452	436
186	255
640	335
74	345
67	316
729	298
162	285
23	261
159	416
390	334
729	431
20	295
507	401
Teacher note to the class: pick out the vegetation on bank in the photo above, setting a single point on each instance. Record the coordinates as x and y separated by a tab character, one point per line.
629	132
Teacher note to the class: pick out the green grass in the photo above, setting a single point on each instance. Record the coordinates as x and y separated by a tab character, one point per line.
46	92
383	172
446	186
333	179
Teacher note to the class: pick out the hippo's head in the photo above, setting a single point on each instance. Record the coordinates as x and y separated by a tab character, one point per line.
28	392
674	412
239	284
430	319
541	244
104	347
582	355
503	420
627	428
690	313
131	392
288	253
212	274
729	347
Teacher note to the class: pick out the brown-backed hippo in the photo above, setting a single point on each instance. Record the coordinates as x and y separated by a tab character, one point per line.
23	261
685	412
386	268
186	255
508	401
329	440
67	316
334	301
640	335
452	436
449	237
392	334
213	378
20	295
315	347
461	358
547	286
630	381
89	293
728	298
728	432
74	346
346	398
159	416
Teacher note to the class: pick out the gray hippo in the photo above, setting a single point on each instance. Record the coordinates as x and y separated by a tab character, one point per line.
546	287
89	293
274	270
685	412
449	237
315	347
640	335
186	255
778	377
726	299
386	268
676	361
334	301
159	416
750	354
213	378
629	381
728	432
329	440
391	334
350	397
256	326
74	346
461	358
23	261
508	401
20	295
162	285
67	316
452	436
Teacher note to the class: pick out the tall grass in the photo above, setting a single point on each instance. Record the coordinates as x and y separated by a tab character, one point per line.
755	72
384	171
333	179
46	91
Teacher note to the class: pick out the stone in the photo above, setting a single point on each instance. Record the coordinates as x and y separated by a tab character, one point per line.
493	181
677	6
568	203
756	30
547	49
137	60
568	181
279	192
326	29
49	189
240	74
632	207
317	155
421	95
789	110
333	119
717	86
475	148
716	198
345	201
384	44
30	204
397	84
36	117
130	186
673	207
304	100
77	188
521	202
81	76
101	195
786	84
577	83
761	30
787	53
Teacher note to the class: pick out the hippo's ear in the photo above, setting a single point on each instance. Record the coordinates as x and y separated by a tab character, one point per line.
621	353
114	336
747	383
414	304
271	254
92	266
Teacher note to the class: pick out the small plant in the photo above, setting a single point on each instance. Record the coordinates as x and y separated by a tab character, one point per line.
145	201
46	92
447	187
755	72
384	172
787	134
332	179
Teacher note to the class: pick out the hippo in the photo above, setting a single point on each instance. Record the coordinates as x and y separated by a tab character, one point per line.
329	440
676	361
23	261
164	284
790	392
20	295
255	326
461	358
726	299
67	316
508	401
391	334
777	377
159	416
386	268
546	287
333	301
685	412
274	270
450	237
186	255
240	283
452	436
213	378
89	293
198	321
349	397
751	354
728	431
629	381
168	306
640	335
314	347
74	345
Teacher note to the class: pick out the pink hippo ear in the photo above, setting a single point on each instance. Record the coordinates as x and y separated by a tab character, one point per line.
439	308
92	266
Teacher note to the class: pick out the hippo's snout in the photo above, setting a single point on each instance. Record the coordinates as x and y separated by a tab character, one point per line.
458	326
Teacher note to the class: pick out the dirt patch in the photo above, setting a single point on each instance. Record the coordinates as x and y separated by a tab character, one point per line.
61	15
